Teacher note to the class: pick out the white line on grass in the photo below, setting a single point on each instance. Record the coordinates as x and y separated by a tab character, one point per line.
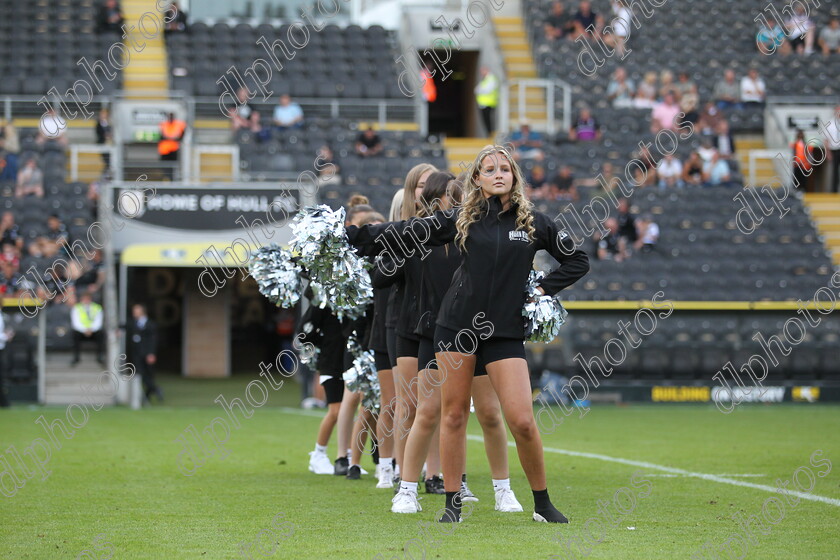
672	470
664	475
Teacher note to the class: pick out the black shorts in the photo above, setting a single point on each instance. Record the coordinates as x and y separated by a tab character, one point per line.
391	341
427	355
486	351
381	361
407	347
334	389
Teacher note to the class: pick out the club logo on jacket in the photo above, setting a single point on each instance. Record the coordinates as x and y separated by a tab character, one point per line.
518	236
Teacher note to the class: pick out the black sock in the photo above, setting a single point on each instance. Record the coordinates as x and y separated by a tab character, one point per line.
452	514
541	499
463	477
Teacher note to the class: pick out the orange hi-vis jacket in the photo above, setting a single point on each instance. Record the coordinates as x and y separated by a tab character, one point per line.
170	136
429	88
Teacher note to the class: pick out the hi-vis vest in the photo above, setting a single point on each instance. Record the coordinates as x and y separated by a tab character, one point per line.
488	91
87	319
169	133
429	88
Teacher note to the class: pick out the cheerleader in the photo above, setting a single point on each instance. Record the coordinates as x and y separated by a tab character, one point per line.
441	192
480	319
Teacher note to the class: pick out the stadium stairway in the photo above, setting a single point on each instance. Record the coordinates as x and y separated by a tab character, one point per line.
519	64
460	152
765	171
824	209
147	74
65	384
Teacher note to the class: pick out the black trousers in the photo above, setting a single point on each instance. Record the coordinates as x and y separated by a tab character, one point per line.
79	337
4	401
800	179
835	171
487	119
170	171
147	375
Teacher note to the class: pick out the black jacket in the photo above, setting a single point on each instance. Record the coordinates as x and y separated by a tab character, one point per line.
437	271
325	332
490	283
141	342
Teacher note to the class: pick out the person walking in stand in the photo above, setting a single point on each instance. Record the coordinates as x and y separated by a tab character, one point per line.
487	97
142	348
172	131
86	317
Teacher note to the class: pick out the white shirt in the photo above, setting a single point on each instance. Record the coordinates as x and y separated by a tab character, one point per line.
752	90
621	24
671	168
832	134
3	337
651	234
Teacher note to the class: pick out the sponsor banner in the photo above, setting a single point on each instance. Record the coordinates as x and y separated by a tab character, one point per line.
680	394
207	209
805	394
748	394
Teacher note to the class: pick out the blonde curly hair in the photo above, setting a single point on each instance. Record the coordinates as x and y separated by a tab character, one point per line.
474	202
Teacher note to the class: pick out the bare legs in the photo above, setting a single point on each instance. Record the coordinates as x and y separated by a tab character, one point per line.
385	425
405	379
327	425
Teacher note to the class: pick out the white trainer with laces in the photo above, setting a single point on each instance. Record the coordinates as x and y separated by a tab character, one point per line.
506	501
386	477
466	493
405	502
319	463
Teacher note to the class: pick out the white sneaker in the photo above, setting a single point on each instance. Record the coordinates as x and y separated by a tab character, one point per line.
319	463
466	493
506	501
405	502
363	470
386	476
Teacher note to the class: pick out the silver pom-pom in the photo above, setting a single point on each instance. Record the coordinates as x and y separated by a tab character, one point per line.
320	244
544	315
309	353
362	376
277	276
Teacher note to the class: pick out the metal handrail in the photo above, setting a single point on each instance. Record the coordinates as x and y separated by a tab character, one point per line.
549	85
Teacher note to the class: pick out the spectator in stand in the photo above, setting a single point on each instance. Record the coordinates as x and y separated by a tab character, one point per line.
646	92
716	172
30	180
585	128
753	90
528	143
664	115
51	129
244	110
9	259
801	31
9	231
179	22
92	278
647	177
15	282
727	92
621	89
287	114
667	85
689	104
648	234
368	143
585	21
724	143
620	26
831	140
606	182
610	246
626	222
328	170
558	24
54	241
10	146
669	172
771	38
684	85
109	19
87	318
566	187
707	149
830	36
692	173
104	134
538	180
709	119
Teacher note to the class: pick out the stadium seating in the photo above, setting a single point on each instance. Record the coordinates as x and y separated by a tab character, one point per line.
349	62
41	44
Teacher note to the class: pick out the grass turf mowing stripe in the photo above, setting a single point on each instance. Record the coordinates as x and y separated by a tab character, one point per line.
673	470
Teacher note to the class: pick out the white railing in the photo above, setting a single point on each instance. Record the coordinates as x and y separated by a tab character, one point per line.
113	151
549	96
752	166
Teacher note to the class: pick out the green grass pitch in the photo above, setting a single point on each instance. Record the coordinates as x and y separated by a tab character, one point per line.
115	489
